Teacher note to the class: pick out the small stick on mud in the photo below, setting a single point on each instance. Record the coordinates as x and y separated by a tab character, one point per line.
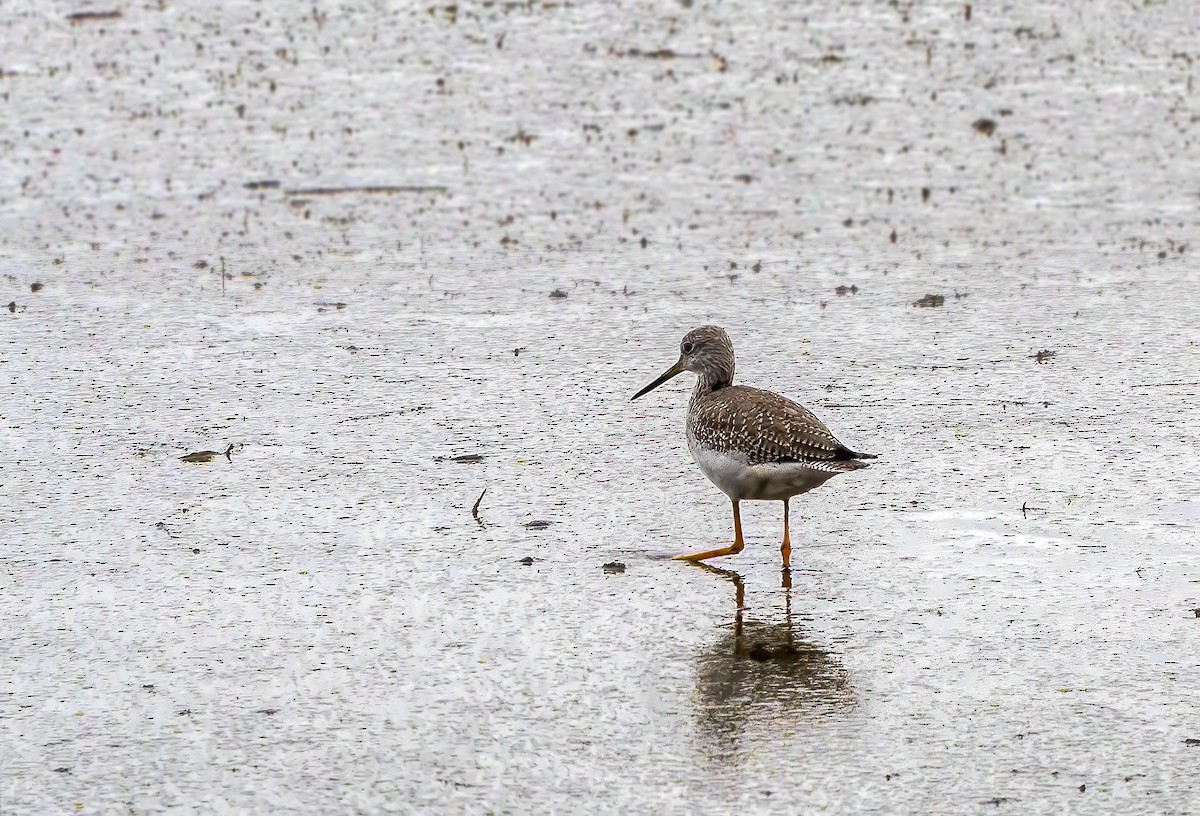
475	507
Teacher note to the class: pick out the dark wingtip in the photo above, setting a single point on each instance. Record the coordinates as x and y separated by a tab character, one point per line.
844	454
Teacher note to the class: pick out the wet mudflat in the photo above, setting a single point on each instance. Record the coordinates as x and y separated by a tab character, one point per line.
394	258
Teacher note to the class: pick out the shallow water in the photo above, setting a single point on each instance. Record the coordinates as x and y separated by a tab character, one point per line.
998	615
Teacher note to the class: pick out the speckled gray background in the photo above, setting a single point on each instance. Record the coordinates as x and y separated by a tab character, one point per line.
998	617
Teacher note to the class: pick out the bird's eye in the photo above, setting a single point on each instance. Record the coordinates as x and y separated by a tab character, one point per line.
687	348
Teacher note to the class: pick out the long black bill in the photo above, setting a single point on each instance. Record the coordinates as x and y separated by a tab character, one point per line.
666	375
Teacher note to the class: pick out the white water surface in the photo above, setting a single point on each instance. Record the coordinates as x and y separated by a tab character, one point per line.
999	616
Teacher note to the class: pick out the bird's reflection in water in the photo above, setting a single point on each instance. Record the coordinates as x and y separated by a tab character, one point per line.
764	680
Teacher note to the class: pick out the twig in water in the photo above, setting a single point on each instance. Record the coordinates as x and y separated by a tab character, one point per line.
475	507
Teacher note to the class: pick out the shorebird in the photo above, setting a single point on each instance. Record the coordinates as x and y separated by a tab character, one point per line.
750	443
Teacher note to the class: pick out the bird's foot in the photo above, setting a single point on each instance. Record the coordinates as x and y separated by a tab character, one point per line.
732	549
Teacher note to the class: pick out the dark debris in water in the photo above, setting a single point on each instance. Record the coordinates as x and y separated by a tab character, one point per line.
521	137
537	524
984	126
1192	742
842	291
1044	356
206	456
527	561
370	189
465	459
558	294
614	568
325	306
35	287
93	16
930	301
670	54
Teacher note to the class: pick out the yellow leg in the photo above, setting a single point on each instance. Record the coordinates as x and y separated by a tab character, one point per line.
785	548
732	549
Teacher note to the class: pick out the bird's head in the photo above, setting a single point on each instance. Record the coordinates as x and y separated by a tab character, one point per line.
705	351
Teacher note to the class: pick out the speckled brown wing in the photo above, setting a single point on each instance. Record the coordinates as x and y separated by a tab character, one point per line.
766	427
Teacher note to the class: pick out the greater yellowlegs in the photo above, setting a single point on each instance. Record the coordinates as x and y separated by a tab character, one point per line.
750	443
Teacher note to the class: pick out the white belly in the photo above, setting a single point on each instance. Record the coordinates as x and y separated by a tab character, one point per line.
739	480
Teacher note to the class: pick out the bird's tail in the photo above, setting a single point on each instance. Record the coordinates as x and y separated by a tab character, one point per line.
837	465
